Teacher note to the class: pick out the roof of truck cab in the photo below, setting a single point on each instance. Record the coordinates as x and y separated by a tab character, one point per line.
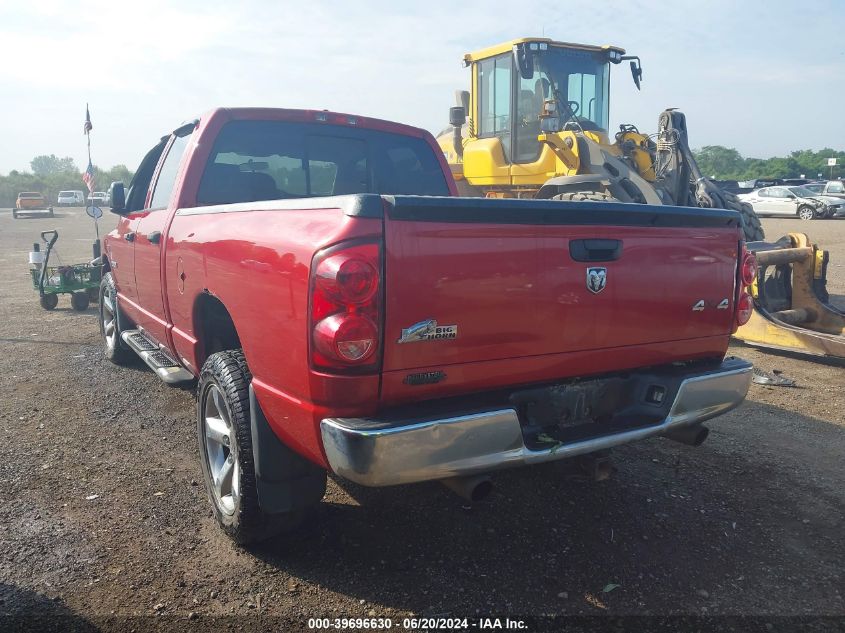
506	47
309	116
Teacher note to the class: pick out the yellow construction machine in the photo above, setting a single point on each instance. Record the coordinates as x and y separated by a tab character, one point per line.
535	124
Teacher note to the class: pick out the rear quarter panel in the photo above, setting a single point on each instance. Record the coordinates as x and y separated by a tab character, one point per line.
257	263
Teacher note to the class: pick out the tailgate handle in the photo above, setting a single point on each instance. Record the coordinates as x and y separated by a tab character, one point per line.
596	250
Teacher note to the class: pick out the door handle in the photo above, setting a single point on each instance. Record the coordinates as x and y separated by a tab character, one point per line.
154	237
596	250
129	237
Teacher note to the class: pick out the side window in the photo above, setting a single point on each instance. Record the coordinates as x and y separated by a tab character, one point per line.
778	192
494	79
582	90
762	193
136	195
167	175
836	187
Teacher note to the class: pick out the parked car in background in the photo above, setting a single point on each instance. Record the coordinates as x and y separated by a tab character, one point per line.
31	202
71	199
832	189
793	201
99	198
757	183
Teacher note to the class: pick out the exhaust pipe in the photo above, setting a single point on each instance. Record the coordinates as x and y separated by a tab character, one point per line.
474	488
690	435
457	119
598	466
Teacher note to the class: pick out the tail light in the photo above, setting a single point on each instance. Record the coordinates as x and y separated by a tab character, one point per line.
345	323
744	308
748	270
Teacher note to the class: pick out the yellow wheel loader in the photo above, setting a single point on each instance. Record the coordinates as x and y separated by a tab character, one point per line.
535	125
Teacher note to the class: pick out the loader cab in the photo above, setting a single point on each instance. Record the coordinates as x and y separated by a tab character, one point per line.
513	85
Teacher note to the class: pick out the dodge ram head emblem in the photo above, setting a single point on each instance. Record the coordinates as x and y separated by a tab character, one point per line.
596	279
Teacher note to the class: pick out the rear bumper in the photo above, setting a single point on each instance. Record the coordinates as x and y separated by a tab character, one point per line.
387	452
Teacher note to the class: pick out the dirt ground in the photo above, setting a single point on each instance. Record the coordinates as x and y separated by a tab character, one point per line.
104	516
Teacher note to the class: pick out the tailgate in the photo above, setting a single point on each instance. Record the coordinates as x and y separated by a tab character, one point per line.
506	279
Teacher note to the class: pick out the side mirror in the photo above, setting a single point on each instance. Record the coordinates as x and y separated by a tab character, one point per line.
524	60
117	195
636	69
457	116
791	196
637	74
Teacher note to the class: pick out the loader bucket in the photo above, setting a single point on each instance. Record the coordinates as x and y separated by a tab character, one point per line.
792	312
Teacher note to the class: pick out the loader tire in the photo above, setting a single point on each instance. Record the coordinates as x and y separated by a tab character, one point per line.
585	196
751	227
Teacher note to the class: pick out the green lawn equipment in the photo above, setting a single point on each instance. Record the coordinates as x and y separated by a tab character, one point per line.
80	281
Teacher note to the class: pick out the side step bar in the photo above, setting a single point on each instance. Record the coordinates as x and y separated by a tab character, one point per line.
158	360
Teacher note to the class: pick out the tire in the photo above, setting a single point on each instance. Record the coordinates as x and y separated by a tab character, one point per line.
49	302
751	227
225	445
79	301
585	196
14	214
111	321
806	213
51	214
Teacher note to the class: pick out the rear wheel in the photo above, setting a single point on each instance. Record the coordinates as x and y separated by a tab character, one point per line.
49	302
226	452
806	213
15	214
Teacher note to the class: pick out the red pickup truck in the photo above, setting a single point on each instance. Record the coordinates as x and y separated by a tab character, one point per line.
342	311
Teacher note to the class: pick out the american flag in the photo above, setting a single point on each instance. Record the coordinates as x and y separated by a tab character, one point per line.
88	177
88	126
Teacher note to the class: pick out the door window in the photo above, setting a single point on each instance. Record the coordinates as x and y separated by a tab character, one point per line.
529	106
169	170
836	187
136	195
494	106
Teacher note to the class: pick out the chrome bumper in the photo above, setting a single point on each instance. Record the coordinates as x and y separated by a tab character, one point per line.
492	440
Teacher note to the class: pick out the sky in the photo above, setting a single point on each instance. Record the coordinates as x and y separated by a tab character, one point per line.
763	77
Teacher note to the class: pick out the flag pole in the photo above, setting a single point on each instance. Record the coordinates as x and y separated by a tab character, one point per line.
88	128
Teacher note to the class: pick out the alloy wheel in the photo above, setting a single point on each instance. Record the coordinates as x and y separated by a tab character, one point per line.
109	317
221	450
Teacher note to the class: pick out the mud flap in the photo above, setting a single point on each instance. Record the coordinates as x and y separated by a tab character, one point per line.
285	480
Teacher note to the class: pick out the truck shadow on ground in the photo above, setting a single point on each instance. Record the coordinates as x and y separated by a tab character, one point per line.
25	610
678	529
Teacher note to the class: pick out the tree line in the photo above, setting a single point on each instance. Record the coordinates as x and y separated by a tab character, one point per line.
724	163
51	174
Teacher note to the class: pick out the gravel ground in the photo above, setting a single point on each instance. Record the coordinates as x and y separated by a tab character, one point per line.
104	516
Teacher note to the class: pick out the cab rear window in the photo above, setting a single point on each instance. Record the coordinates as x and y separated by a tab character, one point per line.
270	160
